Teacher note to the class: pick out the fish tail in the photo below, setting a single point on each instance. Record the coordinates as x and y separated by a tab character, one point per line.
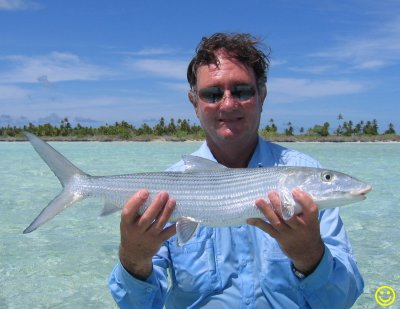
65	172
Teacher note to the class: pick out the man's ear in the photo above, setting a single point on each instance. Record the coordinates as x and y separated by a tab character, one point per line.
263	93
193	100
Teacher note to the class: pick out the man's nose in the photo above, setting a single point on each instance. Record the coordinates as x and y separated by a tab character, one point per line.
228	101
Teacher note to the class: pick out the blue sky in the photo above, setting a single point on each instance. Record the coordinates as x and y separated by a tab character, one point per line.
98	61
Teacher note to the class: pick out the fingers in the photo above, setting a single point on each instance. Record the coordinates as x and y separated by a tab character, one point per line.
264	226
164	214
272	212
276	223
162	219
156	215
130	212
309	208
153	211
168	232
269	210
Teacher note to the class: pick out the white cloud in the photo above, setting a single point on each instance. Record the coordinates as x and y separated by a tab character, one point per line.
317	69
376	49
10	92
17	5
371	64
164	68
56	66
100	107
154	51
284	90
277	62
180	87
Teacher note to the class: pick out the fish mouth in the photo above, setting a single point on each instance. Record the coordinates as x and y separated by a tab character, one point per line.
362	192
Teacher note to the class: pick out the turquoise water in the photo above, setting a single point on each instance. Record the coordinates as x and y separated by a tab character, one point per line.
66	263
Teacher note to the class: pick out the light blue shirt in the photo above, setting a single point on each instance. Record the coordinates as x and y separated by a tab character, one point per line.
243	267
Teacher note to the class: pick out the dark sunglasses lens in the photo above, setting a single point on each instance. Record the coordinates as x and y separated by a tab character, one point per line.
243	92
211	94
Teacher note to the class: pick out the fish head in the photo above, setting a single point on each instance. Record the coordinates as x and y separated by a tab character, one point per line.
328	188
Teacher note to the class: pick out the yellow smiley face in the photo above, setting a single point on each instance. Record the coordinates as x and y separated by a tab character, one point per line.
385	296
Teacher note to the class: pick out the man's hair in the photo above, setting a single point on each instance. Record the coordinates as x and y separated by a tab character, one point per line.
241	46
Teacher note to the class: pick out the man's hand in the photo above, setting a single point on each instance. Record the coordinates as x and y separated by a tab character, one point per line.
143	235
299	237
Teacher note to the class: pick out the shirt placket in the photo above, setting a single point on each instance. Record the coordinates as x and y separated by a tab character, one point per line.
245	260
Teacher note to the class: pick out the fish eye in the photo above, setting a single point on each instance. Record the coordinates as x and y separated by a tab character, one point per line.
327	176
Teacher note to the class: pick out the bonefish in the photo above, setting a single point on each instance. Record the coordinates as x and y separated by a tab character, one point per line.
206	193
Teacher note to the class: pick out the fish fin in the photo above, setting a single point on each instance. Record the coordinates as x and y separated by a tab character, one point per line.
289	207
195	163
65	199
185	228
65	171
61	166
108	209
287	204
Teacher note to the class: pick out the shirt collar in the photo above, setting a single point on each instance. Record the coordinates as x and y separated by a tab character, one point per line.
262	155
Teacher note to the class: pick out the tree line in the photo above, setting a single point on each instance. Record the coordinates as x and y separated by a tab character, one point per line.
183	129
121	130
345	128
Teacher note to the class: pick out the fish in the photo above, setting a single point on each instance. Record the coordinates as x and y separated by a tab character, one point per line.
206	192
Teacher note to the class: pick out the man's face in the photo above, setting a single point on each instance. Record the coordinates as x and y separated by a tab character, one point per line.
229	120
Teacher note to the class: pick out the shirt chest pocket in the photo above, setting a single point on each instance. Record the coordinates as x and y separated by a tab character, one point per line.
194	267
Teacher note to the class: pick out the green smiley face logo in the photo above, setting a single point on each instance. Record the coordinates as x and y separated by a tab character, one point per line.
385	296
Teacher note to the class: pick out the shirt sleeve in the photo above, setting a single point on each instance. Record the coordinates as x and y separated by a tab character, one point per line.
129	292
336	282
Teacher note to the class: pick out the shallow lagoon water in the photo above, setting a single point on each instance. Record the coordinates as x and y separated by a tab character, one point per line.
66	263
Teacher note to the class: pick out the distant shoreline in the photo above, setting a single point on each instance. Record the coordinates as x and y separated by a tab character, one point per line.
272	138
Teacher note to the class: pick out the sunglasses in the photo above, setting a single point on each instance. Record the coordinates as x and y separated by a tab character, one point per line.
215	94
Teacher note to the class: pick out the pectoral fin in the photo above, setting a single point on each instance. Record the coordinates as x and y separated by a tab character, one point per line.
108	209
185	228
289	206
287	203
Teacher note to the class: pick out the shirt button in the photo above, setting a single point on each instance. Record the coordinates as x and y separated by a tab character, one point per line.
149	289
248	301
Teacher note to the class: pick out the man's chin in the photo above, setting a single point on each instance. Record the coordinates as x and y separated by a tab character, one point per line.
229	134
235	127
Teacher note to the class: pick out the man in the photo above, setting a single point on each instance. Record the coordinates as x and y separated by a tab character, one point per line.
305	262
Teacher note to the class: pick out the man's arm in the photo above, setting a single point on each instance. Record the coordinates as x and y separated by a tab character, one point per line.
332	277
134	281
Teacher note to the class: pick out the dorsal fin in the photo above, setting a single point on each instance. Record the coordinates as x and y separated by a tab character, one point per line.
195	164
